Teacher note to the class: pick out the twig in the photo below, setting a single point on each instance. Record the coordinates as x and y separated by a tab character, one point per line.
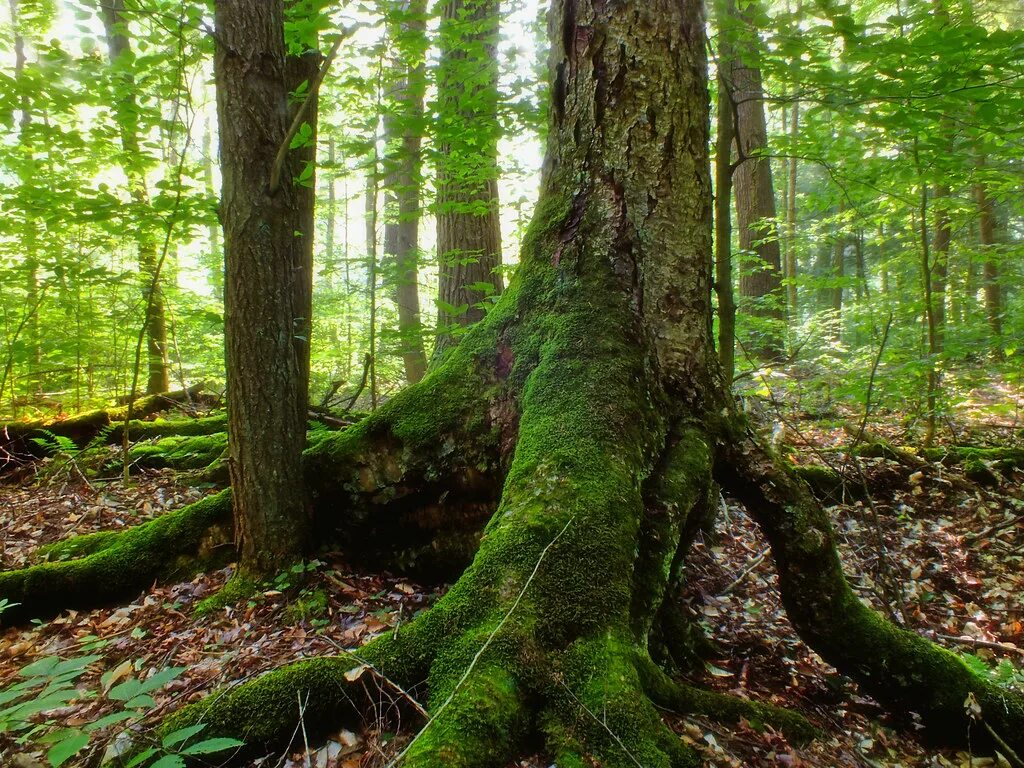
747	571
977	643
314	88
302	723
995	529
603	724
1005	748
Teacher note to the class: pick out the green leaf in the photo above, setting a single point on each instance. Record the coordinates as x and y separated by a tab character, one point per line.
182	734
64	750
142	757
169	761
209	746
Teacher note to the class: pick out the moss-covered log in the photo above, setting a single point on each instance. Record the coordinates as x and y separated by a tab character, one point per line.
17	441
202	451
106	567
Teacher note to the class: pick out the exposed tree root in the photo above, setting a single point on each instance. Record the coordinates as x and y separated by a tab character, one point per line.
114	566
902	670
686	699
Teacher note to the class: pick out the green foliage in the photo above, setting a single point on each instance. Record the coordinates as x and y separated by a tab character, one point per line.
28	711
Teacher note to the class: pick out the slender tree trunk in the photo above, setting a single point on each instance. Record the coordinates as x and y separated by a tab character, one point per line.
990	266
791	261
372	218
940	263
760	259
467	208
403	169
215	257
265	277
726	123
838	271
126	110
30	237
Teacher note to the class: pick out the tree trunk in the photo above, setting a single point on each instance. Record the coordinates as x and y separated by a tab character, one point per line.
126	111
467	133
990	266
590	404
726	134
791	261
266	321
838	271
760	260
940	263
215	256
403	169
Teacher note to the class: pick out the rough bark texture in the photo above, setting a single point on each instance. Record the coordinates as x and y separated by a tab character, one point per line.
266	311
403	171
126	110
467	132
760	260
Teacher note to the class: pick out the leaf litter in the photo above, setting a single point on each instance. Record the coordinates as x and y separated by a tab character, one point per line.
951	547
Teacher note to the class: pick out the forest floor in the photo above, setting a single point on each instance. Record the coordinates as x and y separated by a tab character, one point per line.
934	551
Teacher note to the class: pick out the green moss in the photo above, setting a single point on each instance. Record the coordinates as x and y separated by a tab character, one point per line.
182	453
483	725
598	709
307	605
75	547
334	691
150	430
264	713
169	546
685	699
237	589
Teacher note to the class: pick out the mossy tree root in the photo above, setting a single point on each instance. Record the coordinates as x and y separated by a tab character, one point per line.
112	566
905	672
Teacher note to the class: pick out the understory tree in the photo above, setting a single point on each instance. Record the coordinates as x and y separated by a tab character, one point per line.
584	425
466	133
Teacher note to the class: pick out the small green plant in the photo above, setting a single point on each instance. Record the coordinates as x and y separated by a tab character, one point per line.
68	459
1004	673
51	683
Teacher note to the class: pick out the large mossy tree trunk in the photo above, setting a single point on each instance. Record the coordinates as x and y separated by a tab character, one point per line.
591	396
267	301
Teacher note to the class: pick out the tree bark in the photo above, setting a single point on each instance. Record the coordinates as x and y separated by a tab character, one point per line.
940	262
126	111
467	133
403	171
990	266
266	308
726	130
760	260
